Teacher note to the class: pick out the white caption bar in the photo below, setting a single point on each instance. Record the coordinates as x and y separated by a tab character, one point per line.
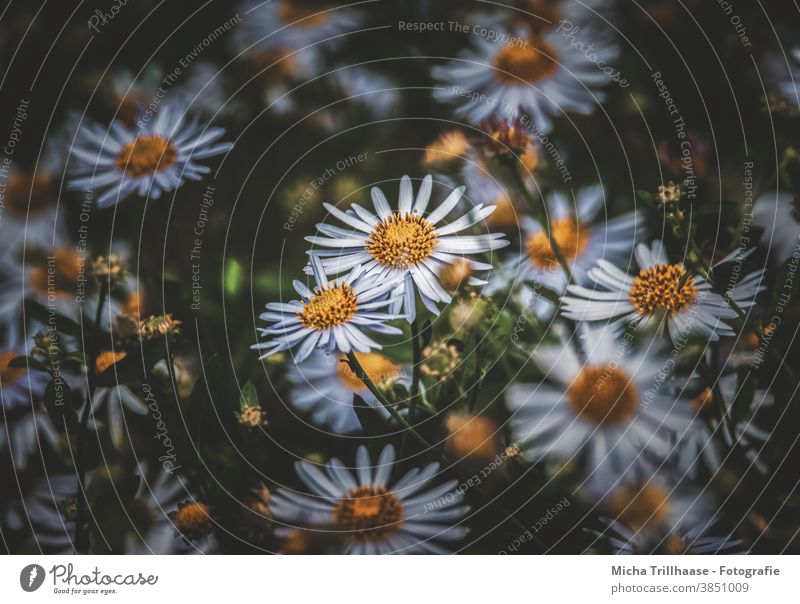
401	580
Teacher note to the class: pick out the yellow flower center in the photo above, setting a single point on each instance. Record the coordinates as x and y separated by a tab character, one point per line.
9	375
59	277
676	545
330	306
300	16
531	63
604	395
27	193
371	513
378	368
505	216
147	154
402	241
453	276
192	519
449	148
639	507
107	358
251	417
471	436
659	287
703	400
568	234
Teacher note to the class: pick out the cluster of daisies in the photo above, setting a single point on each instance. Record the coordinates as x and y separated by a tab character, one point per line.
612	401
365	274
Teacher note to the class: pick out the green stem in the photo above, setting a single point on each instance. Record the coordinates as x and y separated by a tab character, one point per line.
540	212
364	377
81	471
80	521
415	377
703	268
101	303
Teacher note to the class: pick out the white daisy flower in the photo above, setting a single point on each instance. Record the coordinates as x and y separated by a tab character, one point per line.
324	385
48	511
331	316
583	239
24	436
157	158
115	399
51	506
661	290
24	424
406	244
30	214
652	518
707	441
373	517
544	77
18	384
374	91
608	409
270	24
779	215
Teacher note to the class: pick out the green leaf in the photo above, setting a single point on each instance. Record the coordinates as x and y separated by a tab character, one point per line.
58	400
647	197
24	362
249	396
546	293
75	359
370	419
234	277
745	391
130	368
37	312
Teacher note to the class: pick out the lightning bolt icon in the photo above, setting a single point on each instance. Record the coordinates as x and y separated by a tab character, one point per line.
34	572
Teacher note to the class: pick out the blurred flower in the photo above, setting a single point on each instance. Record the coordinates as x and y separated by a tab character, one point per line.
485	188
469	312
708	439
324	385
109	269
456	275
115	399
157	326
405	244
157	158
251	416
18	384
330	317
448	150
42	512
661	291
669	194
779	215
440	359
608	410
651	518
504	137
785	74
541	74
370	516
295	25
583	236
192	520
373	91
24	436
28	213
473	437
